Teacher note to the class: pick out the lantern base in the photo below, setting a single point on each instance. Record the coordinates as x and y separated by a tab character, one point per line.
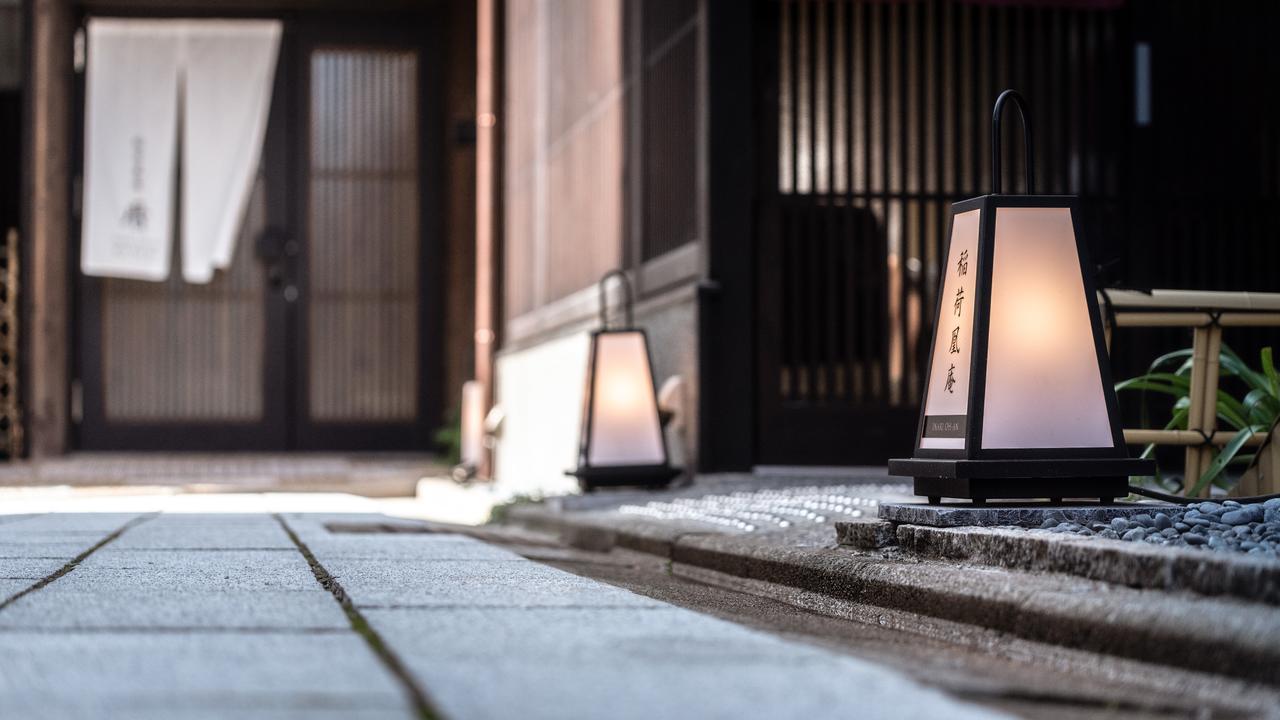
980	480
590	478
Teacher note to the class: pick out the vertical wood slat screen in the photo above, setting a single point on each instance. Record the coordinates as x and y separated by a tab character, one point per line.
363	240
174	351
668	137
564	148
883	122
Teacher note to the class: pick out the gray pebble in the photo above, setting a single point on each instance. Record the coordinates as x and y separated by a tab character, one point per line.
1193	539
1236	517
1181	527
1119	524
1135	534
1141	519
1169	532
1161	521
1210	508
1108	533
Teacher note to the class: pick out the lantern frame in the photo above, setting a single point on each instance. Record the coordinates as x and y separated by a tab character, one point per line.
592	476
980	473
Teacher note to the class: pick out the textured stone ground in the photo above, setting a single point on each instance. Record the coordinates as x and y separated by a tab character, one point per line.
1229	526
164	615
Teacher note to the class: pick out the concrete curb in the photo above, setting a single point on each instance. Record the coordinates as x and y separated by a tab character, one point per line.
1165	628
1113	561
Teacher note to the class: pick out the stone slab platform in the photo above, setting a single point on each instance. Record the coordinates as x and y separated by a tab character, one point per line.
1031	515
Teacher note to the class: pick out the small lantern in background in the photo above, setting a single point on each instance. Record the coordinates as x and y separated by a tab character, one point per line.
1019	401
622	441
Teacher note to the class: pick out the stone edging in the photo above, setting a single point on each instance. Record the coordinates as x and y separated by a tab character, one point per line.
1167	629
1112	561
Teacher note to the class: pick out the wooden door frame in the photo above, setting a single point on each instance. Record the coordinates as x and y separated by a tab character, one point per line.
283	426
419	32
93	430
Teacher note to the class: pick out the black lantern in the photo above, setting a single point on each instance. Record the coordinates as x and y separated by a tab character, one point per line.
1018	402
622	442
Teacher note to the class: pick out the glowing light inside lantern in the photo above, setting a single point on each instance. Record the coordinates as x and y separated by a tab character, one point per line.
1043	388
624	418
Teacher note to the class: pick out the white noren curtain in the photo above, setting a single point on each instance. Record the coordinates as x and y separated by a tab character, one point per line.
135	68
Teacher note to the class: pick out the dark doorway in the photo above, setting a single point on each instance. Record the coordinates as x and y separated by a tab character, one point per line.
324	332
875	123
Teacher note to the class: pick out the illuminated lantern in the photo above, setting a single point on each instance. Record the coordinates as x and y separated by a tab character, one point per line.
1019	401
622	442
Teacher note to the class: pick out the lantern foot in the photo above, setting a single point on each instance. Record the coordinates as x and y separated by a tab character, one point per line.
590	478
983	480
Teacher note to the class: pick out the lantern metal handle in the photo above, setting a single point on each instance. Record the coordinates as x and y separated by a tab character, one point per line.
628	299
1021	104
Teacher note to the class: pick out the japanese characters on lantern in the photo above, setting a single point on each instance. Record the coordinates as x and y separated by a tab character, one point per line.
947	394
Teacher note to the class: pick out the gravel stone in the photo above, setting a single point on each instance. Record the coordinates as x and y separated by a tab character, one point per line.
1235	517
1227	526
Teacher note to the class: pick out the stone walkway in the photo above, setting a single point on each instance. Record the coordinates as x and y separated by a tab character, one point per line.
275	615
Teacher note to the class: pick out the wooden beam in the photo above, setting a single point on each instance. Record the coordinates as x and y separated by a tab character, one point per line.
49	118
489	41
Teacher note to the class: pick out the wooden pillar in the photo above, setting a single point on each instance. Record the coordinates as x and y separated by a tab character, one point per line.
489	40
49	129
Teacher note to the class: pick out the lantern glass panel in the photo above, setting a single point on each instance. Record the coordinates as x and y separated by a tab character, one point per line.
947	395
1043	385
624	415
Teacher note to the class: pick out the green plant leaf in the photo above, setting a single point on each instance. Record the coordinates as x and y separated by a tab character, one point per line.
1231	364
1261	407
1269	368
1142	383
1232	411
1220	462
1168	358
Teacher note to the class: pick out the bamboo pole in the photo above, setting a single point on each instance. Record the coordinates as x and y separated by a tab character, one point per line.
1195	414
1138	436
1198	299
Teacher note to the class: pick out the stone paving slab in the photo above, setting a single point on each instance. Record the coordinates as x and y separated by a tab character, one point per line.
57	608
28	568
62	551
662	662
77	675
497	639
205	571
189	534
66	522
9	588
406	547
472	583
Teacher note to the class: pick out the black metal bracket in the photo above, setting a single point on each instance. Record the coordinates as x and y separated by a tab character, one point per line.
1025	116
